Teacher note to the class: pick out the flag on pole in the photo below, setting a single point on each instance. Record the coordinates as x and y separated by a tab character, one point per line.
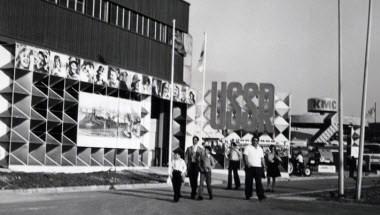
371	111
201	61
179	42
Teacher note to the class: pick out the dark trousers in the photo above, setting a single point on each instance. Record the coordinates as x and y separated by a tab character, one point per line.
233	167
193	173
250	173
205	176
177	183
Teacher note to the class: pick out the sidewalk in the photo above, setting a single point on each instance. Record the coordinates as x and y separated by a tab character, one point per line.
219	177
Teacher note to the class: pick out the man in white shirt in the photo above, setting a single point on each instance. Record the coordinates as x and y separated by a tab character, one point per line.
192	158
254	168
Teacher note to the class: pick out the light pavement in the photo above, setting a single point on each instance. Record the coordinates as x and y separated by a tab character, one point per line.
286	200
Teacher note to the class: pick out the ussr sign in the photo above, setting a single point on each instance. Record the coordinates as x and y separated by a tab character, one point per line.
249	107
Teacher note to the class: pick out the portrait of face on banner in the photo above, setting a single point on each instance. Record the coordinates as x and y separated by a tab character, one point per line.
73	68
183	94
100	77
176	91
57	64
165	90
123	80
156	87
146	85
135	81
87	71
24	57
40	61
113	77
191	96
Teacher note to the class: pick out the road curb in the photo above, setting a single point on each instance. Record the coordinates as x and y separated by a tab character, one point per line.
86	188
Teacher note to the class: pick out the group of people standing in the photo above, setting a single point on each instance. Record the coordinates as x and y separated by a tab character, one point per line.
199	161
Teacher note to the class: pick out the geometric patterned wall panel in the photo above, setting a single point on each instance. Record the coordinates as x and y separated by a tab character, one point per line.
191	128
179	126
282	119
6	97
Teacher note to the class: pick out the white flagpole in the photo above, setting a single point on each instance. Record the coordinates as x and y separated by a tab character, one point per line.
340	106
363	110
171	98
203	104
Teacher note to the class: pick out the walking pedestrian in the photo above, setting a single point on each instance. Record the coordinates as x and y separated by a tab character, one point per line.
206	164
273	161
233	156
177	171
192	158
254	161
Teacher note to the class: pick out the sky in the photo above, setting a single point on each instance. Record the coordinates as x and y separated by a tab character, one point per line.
292	44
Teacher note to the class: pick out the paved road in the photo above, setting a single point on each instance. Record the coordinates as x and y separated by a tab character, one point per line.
159	201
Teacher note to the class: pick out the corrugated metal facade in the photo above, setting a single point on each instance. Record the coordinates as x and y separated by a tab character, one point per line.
46	25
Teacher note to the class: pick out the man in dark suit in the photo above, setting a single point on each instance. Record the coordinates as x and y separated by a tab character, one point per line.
192	158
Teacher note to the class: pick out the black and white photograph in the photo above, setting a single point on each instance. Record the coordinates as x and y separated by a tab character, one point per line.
40	61
134	80
189	107
87	71
156	87
113	77
123	80
97	120
24	57
101	74
183	94
73	68
146	87
165	90
129	124
190	96
58	64
176	92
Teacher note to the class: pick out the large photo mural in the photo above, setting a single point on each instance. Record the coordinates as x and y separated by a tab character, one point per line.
108	122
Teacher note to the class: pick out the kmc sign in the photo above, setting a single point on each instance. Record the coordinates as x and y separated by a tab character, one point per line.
250	107
322	105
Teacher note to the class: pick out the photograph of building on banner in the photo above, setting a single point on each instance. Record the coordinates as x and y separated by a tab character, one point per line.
98	120
156	87
129	123
100	77
87	71
165	90
73	68
146	85
191	96
123	80
57	64
113	77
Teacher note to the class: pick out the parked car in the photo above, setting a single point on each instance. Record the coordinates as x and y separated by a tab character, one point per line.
372	156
